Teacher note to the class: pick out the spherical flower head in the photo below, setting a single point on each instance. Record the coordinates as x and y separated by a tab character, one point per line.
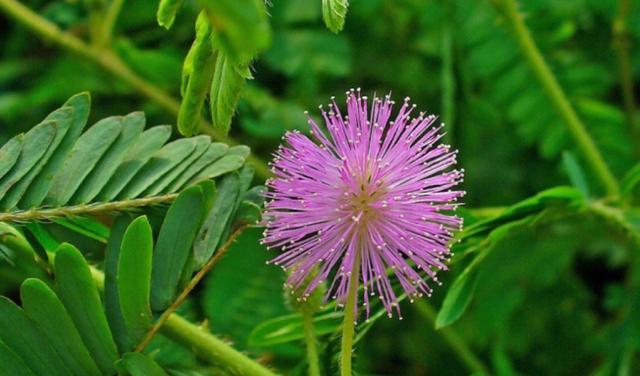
370	197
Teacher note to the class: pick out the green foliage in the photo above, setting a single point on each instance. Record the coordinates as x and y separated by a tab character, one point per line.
334	13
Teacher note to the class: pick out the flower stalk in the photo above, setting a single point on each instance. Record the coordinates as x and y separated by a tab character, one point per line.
312	345
349	321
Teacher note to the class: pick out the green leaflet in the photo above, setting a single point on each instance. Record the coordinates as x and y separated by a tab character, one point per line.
164	160
241	27
240	150
226	86
250	207
42	306
132	126
87	226
111	296
215	224
24	338
141	365
575	173
213	152
79	294
36	143
201	145
149	143
9	154
173	246
290	328
134	277
37	190
167	11
630	180
459	294
334	13
220	167
84	156
63	118
200	72
11	364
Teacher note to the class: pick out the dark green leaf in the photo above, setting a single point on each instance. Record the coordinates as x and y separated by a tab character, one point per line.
37	191
213	153
134	277
141	365
148	144
86	226
226	86
36	143
630	180
164	160
174	244
42	306
79	294
111	296
84	156
103	172
217	220
24	338
9	154
458	296
575	173
12	364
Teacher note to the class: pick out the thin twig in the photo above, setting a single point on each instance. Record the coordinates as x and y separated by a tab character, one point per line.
39	214
187	290
109	22
112	63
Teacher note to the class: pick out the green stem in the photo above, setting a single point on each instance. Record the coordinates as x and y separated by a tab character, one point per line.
205	345
348	324
622	45
312	346
557	96
85	209
110	62
109	23
457	343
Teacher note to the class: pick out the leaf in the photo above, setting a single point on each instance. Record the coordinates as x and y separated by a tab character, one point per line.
575	172
38	189
79	295
141	365
290	328
134	277
36	143
62	117
103	171
213	153
12	364
42	306
220	167
167	11
201	60
84	156
209	236
86	226
226	86
24	338
9	154
164	160
202	143
241	27
173	246
458	296
334	13
111	295
149	143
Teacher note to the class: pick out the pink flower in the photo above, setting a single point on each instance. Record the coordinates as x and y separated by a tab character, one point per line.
371	195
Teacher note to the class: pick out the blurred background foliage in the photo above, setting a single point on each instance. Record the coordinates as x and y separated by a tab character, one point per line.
548	297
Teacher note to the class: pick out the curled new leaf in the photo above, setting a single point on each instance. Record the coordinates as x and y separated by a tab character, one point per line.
334	13
198	72
226	86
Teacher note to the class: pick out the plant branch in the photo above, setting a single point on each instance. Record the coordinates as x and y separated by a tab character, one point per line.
348	323
109	23
457	344
557	96
187	290
311	342
39	214
110	62
622	45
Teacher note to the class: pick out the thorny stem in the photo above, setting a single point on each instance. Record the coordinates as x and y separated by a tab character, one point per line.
557	96
457	344
111	62
622	45
312	346
84	209
348	323
162	320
